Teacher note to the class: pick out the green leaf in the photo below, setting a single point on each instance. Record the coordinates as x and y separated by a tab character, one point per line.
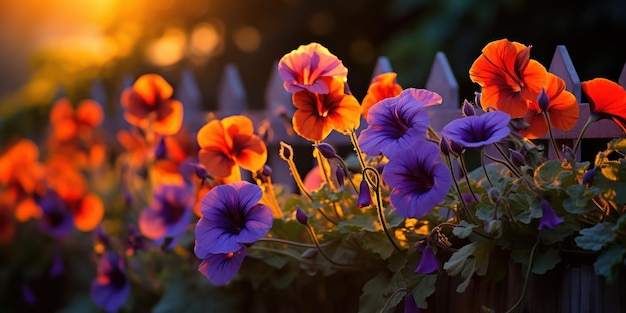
618	144
579	200
608	262
456	263
594	238
464	229
372	299
545	261
181	296
378	243
357	223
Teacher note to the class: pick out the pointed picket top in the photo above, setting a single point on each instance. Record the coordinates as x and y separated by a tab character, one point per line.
441	80
382	66
622	77
188	93
277	98
563	67
232	94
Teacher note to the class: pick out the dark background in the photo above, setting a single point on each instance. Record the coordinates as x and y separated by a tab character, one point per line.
408	32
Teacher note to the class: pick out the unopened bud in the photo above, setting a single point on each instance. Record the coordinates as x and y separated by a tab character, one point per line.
444	146
589	176
326	150
542	100
568	155
517	158
340	176
160	152
477	96
468	109
494	195
301	216
365	196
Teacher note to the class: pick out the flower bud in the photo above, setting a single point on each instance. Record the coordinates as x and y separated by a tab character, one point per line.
365	196
340	175
200	171
477	96
301	216
428	262
517	158
589	176
468	109
326	150
444	145
160	152
456	147
568	155
309	253
494	195
542	100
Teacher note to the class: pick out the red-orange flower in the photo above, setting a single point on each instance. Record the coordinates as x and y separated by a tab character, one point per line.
230	143
148	105
607	99
562	110
318	114
71	186
382	86
508	77
68	123
20	169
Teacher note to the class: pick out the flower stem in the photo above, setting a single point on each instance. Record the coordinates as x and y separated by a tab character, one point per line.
357	148
465	174
484	166
527	276
546	116
379	202
323	253
589	121
397	291
294	170
458	190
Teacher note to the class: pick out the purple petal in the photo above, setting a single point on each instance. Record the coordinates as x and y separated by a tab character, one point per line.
211	239
409	304
549	219
478	131
219	269
258	222
428	263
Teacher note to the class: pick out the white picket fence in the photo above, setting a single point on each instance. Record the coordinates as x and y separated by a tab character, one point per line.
232	99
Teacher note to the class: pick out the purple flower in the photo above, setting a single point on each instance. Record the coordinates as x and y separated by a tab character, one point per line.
232	217
478	131
549	219
110	289
169	213
365	196
57	220
428	262
220	268
419	179
397	122
409	304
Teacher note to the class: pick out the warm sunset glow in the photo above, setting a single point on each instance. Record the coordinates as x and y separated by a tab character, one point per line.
204	41
247	38
168	49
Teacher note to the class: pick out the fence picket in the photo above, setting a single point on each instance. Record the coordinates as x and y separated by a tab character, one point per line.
563	67
232	97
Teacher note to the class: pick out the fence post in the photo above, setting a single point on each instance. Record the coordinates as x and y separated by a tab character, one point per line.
442	81
232	94
188	93
563	67
622	77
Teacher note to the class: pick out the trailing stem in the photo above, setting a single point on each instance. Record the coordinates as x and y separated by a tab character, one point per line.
379	202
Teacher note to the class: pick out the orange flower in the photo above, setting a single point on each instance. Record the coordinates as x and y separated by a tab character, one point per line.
607	99
318	114
148	105
7	221
68	123
382	86
20	168
562	110
229	143
508	77
71	186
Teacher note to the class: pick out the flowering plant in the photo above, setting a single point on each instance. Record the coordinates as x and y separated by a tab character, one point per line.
178	224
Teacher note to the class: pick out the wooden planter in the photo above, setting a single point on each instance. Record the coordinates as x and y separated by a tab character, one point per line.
569	288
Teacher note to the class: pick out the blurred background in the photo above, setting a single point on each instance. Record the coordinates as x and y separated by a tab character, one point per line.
53	48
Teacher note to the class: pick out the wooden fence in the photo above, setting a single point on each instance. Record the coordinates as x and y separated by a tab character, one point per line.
232	100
